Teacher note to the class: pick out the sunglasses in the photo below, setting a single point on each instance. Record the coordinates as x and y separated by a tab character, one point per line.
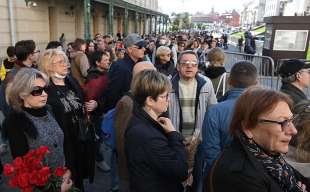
138	46
37	91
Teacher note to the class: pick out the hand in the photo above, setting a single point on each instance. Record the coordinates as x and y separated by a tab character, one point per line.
66	182
91	105
166	124
302	186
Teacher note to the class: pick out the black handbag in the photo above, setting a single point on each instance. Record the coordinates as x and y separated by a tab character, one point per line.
86	130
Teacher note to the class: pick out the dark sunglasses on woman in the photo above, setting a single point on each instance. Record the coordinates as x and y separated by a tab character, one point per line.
37	91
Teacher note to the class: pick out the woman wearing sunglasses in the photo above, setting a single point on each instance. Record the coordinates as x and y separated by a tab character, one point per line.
66	100
30	125
262	127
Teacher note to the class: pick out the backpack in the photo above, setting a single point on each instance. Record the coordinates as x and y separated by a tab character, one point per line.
108	128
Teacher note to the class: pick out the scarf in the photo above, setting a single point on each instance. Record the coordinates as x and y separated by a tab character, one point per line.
275	165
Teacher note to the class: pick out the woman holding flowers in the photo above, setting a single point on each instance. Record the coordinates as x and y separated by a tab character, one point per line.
30	124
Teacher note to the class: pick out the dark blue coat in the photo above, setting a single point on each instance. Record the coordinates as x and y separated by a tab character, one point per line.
156	160
120	76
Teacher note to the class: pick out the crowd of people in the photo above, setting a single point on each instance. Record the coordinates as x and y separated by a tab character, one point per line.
175	119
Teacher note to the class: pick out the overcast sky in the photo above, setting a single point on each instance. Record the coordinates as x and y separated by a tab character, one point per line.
192	6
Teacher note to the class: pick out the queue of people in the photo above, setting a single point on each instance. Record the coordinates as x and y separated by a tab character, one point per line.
178	124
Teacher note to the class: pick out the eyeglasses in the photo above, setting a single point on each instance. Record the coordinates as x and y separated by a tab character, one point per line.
189	63
305	70
163	55
37	91
59	62
164	96
284	124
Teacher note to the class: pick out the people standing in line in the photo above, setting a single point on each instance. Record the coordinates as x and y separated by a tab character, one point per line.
202	55
96	83
66	100
262	127
163	61
120	73
192	94
164	41
249	43
152	139
123	112
216	71
26	55
299	155
30	124
90	49
215	128
9	62
295	77
119	53
240	44
213	43
80	63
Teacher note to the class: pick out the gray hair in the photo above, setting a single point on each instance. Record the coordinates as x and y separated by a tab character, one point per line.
185	53
22	85
162	49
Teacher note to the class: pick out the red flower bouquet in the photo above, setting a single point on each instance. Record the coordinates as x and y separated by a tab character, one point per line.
30	174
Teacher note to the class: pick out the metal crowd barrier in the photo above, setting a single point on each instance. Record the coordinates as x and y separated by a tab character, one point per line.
265	66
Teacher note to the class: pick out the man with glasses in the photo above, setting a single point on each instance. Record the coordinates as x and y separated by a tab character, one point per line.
295	76
192	94
120	74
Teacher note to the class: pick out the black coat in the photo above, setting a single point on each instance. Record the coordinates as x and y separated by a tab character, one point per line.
238	171
120	75
79	156
15	128
156	160
296	94
167	69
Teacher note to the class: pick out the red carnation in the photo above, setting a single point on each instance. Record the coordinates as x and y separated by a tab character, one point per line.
23	180
34	177
28	189
44	175
60	171
8	170
18	163
13	182
43	150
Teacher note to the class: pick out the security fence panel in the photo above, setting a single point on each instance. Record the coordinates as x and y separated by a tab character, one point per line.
264	65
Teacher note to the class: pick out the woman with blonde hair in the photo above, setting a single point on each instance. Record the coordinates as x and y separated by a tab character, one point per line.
66	100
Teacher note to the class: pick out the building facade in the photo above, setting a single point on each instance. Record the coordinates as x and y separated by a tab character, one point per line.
297	7
47	20
249	14
272	8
